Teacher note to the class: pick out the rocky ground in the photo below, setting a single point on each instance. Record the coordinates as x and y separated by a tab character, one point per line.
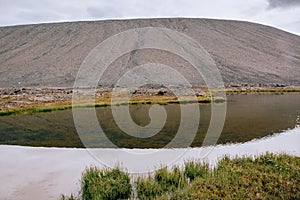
22	98
18	98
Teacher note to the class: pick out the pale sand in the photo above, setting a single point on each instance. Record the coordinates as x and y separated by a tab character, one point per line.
45	173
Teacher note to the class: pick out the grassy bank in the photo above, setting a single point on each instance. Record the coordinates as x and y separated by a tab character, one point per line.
261	90
102	102
23	104
265	177
32	110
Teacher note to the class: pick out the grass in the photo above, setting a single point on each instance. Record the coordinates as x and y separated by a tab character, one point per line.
32	110
263	90
105	184
105	100
164	181
55	106
195	169
71	197
267	176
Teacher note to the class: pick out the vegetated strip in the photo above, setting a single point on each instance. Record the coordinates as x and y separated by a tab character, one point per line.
267	176
208	97
55	106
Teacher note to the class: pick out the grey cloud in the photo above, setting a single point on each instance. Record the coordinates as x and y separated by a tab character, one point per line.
103	12
105	9
41	16
293	27
13	12
283	3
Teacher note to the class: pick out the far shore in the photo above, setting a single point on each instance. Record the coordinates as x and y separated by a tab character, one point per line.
35	99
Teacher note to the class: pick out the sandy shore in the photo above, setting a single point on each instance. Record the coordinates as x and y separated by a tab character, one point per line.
45	173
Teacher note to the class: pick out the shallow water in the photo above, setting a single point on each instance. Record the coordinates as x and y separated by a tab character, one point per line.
248	117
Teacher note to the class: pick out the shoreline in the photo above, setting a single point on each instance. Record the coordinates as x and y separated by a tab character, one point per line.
35	100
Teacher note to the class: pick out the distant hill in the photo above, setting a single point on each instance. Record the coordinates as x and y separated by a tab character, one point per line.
245	53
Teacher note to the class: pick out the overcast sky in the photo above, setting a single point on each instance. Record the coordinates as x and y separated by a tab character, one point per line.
283	14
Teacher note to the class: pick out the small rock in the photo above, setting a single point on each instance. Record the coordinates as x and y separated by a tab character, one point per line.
17	91
161	92
200	94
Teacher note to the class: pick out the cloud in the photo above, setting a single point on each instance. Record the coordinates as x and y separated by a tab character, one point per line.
104	9
261	11
103	12
42	16
283	3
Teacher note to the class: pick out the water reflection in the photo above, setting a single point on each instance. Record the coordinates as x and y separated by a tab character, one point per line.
248	117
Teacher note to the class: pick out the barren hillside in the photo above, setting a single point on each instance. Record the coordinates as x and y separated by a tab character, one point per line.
51	54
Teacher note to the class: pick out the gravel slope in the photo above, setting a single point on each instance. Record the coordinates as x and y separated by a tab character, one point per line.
50	54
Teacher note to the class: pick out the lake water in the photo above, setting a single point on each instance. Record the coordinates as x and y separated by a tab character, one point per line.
46	173
58	170
248	117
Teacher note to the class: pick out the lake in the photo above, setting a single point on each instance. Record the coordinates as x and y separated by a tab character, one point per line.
248	117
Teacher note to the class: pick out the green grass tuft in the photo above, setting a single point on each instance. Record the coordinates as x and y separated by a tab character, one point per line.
105	184
71	197
194	169
164	181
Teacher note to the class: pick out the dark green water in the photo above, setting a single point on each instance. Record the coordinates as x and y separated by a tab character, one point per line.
248	117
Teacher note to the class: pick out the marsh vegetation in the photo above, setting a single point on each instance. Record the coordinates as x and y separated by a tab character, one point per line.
267	176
